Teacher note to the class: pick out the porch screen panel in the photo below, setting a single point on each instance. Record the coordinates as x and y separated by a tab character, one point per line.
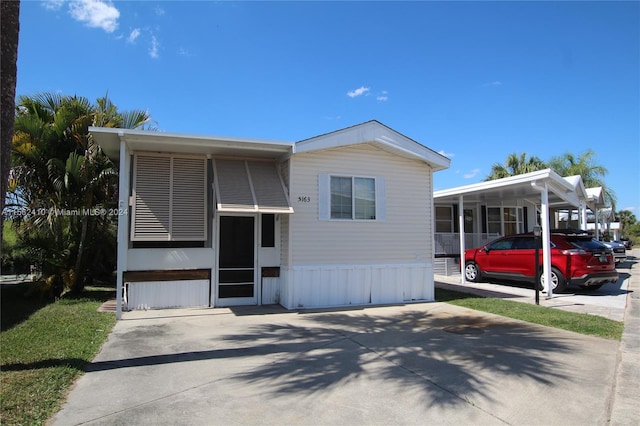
268	186
152	186
189	207
232	185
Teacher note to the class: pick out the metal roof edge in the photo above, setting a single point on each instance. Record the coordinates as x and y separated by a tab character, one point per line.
373	131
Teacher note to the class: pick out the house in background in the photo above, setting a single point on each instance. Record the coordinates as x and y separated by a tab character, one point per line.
487	210
344	218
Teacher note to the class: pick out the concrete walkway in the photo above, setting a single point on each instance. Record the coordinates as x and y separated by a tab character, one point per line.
426	363
620	302
626	400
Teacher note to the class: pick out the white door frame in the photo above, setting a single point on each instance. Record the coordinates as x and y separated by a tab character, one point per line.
236	301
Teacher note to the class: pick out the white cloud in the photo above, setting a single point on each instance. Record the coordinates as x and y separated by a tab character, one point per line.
492	84
184	52
382	97
446	154
471	174
153	50
358	92
52	4
159	11
95	14
133	35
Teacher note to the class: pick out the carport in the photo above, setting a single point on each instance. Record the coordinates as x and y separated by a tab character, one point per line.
542	190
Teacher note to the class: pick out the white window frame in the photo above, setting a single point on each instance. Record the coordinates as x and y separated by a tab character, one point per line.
324	205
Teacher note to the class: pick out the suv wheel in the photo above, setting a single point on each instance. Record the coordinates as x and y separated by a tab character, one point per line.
558	282
472	272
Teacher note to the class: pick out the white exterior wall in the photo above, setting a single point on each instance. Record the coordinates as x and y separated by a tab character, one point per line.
345	262
340	285
403	237
169	294
170	258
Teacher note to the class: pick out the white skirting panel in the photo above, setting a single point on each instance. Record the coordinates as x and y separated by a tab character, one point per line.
270	290
167	294
340	285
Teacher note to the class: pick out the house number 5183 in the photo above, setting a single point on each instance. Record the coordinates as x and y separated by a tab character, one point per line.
304	199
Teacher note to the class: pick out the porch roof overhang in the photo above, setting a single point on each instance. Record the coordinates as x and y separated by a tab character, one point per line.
595	198
249	187
215	146
561	191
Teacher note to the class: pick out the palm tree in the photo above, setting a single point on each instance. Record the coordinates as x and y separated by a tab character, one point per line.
592	174
516	165
61	177
627	219
10	29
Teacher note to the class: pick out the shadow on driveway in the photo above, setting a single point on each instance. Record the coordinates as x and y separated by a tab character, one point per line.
427	355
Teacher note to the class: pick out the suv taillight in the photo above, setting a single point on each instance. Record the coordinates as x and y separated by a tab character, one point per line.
574	252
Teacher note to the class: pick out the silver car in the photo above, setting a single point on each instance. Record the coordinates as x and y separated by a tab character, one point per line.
619	250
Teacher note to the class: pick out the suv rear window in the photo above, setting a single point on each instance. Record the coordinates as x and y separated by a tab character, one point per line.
587	244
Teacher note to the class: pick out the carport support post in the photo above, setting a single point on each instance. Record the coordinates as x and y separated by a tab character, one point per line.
123	221
461	229
546	245
536	240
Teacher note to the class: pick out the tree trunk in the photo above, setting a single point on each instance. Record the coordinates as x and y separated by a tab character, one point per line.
10	27
78	285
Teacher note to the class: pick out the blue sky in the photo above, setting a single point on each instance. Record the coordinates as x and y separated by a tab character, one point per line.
473	80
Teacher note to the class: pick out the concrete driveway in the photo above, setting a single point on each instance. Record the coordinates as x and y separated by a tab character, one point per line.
428	363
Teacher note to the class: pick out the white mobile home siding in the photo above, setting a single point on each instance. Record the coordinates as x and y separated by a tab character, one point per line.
359	262
404	236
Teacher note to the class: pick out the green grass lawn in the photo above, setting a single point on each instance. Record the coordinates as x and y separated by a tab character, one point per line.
44	347
580	323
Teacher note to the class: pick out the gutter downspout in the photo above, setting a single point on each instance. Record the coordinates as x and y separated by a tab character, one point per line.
546	245
462	239
123	220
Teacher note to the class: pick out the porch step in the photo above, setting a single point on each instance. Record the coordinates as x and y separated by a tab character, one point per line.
446	266
108	306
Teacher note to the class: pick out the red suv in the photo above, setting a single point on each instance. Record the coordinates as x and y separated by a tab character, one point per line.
576	258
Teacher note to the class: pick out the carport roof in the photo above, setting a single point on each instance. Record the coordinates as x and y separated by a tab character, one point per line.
562	191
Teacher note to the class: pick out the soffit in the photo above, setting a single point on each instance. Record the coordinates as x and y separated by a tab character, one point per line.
560	191
214	146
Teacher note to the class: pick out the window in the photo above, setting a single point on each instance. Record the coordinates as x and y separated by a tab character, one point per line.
504	220
444	221
494	225
504	244
510	220
524	243
268	230
353	198
170	198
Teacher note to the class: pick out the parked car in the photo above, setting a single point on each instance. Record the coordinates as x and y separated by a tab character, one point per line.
628	244
619	250
576	259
